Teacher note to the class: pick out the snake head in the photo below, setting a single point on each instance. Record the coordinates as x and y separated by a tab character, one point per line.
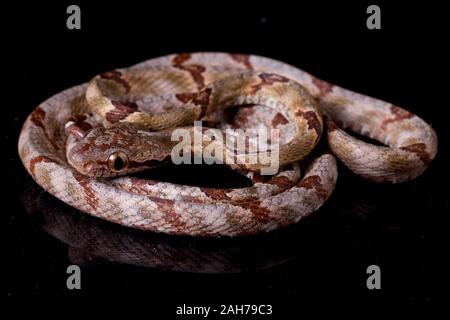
118	150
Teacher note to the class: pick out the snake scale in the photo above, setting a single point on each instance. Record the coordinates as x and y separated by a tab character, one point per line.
81	144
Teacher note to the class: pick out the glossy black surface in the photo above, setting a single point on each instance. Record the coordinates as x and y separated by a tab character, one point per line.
324	256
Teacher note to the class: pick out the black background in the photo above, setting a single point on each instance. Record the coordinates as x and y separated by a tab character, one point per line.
360	225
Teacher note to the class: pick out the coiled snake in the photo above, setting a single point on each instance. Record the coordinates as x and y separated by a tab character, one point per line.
80	144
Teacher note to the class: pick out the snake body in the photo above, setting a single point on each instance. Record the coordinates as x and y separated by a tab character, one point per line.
134	110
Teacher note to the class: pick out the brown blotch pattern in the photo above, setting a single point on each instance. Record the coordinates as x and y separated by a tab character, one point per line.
89	193
76	131
38	117
186	97
141	183
181	58
241	118
281	181
312	120
323	86
399	114
170	216
261	214
121	111
243	59
314	182
216	194
196	71
198	98
330	124
37	160
420	150
78	118
116	75
80	127
268	79
278	119
138	186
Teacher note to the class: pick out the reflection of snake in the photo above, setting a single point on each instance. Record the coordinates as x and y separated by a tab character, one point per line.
91	240
189	80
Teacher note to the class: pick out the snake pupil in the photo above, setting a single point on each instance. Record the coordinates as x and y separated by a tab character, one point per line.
119	164
117	161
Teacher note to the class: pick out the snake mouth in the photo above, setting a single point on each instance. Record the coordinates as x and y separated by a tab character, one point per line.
90	170
97	172
148	164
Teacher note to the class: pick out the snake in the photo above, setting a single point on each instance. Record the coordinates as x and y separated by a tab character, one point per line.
85	144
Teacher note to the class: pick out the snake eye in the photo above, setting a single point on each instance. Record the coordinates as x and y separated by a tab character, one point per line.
117	161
